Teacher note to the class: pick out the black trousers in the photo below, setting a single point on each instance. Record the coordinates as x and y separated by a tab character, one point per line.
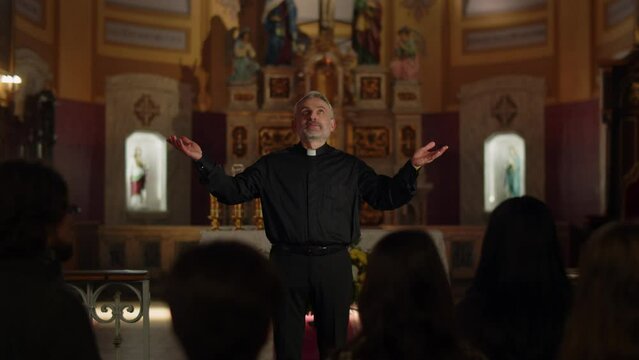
323	281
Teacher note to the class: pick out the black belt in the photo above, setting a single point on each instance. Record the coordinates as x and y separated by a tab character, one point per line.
311	250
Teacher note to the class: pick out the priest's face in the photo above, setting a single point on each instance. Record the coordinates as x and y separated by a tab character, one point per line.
314	121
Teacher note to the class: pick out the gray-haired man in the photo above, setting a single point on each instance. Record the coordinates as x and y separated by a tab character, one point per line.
311	194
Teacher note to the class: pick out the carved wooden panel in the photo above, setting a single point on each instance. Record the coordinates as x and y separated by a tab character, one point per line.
371	88
371	141
280	87
275	138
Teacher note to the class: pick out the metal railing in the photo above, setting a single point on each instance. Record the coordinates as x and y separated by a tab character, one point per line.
91	285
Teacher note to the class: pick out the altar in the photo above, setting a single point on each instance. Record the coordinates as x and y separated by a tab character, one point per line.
257	239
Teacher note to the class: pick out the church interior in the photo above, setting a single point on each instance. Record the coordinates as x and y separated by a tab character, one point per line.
533	97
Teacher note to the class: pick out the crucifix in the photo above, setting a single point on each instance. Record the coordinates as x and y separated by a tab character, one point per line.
327	15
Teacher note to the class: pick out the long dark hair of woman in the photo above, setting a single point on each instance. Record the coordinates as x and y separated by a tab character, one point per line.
406	307
517	303
603	322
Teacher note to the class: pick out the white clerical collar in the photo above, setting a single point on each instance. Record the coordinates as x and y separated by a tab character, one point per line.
311	152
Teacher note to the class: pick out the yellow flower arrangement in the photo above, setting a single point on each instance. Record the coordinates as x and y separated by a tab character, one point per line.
359	259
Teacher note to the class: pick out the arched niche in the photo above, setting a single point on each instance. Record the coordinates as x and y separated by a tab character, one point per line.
504	168
145	172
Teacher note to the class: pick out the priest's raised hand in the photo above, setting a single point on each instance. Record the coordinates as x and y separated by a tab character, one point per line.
187	146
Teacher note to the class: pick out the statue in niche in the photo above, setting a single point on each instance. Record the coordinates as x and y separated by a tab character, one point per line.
405	65
244	65
280	22
138	172
512	176
367	31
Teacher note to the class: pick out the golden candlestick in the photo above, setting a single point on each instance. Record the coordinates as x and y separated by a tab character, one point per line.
214	213
259	220
238	213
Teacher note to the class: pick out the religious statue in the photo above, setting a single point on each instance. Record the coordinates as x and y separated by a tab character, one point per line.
280	22
512	178
244	65
405	64
367	31
137	180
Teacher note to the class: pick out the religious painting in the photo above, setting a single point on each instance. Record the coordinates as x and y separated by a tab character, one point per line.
6	31
145	174
239	141
371	88
504	168
408	141
280	87
275	138
371	141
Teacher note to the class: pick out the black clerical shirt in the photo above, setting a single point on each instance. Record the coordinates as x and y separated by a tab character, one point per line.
312	200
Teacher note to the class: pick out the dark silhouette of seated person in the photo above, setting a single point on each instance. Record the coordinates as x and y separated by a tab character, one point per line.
222	298
405	306
604	320
517	303
43	318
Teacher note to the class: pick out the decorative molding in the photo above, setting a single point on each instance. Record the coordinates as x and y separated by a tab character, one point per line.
616	11
36	18
119	32
504	110
417	7
504	38
145	109
149	36
522	35
179	7
493	7
275	138
609	32
407	97
32	10
371	141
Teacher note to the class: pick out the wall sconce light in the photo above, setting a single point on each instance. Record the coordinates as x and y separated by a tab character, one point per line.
9	84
